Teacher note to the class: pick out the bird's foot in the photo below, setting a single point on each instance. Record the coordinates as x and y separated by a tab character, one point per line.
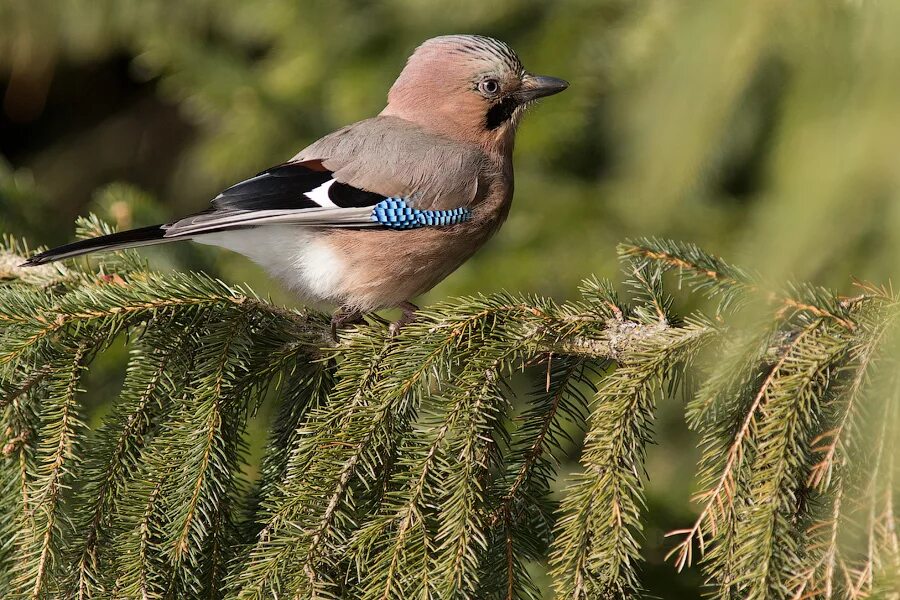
409	315
343	316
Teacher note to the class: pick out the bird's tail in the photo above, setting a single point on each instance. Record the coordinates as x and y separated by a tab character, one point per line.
145	236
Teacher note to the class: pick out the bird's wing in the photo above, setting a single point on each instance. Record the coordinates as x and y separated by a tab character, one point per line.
383	172
300	192
377	173
396	158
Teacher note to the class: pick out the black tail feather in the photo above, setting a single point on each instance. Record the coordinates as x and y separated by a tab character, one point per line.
144	236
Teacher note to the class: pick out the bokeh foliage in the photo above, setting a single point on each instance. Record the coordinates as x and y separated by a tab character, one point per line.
766	131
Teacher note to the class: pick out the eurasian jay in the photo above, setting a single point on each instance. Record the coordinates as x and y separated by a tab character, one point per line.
376	213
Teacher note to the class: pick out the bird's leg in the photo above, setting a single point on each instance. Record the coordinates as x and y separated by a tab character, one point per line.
343	316
409	315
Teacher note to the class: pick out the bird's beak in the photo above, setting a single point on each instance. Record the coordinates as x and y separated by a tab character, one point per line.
538	86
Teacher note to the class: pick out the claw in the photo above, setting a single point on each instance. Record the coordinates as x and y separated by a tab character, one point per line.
409	315
343	316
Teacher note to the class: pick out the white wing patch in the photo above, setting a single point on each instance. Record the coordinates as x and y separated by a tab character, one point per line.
320	195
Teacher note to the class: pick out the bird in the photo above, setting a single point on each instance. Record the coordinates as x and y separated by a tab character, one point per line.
378	212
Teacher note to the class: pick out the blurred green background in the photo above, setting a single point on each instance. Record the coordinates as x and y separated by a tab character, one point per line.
766	131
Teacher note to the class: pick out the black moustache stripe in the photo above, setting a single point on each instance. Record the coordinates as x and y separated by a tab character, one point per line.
500	113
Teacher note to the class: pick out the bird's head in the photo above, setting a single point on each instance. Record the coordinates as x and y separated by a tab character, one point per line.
468	87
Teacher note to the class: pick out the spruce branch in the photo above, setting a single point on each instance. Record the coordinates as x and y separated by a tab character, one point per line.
139	577
116	305
716	278
718	497
778	474
596	549
263	568
521	523
460	538
881	548
206	445
706	273
108	469
303	387
414	465
29	381
19	425
832	445
817	579
59	433
540	427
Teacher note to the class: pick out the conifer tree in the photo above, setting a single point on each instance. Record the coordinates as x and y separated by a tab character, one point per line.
421	465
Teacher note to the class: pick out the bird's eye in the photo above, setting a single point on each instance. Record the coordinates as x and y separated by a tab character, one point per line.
489	87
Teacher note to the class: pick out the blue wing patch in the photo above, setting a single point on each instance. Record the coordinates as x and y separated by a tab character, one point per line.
395	213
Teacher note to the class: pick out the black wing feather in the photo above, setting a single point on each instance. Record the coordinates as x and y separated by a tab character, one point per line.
347	196
281	187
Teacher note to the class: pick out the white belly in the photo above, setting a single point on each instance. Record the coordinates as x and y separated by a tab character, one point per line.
298	257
